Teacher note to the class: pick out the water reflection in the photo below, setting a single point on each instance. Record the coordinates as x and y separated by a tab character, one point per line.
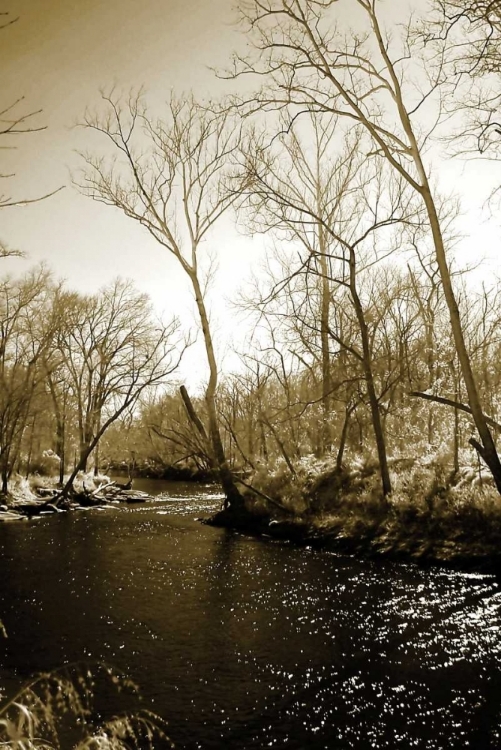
242	643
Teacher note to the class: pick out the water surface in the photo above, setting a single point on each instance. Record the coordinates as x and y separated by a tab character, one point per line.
246	643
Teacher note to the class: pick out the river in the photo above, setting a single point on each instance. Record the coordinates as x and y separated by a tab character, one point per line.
247	643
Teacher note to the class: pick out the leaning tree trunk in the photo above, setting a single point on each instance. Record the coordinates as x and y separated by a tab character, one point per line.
234	499
487	448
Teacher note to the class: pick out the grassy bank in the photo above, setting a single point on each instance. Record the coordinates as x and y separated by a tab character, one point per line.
432	516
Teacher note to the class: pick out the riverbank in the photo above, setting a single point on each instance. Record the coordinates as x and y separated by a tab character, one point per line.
431	518
464	541
428	519
40	496
170	472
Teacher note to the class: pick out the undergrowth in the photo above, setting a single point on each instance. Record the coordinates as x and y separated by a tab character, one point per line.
431	511
55	710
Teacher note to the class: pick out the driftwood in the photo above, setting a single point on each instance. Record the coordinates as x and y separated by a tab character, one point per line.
45	491
126	486
264	496
33	509
117	492
56	502
101	488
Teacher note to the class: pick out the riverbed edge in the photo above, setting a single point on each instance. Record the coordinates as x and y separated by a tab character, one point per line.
469	555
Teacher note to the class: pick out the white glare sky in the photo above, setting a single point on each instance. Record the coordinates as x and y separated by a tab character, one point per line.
58	55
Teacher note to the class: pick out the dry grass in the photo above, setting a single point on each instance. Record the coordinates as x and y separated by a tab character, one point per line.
32	720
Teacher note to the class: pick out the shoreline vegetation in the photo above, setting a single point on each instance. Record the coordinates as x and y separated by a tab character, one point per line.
38	496
433	517
362	334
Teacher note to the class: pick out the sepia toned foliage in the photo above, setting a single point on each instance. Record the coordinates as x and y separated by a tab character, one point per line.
57	708
367	339
304	62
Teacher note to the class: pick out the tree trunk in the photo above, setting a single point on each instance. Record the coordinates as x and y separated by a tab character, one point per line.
281	446
489	452
60	448
326	364
260	420
344	435
96	452
83	455
234	499
488	449
369	380
30	449
60	416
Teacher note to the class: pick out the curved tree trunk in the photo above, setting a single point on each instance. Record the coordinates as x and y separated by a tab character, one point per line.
487	449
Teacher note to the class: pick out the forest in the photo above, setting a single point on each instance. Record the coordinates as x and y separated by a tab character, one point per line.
371	352
363	410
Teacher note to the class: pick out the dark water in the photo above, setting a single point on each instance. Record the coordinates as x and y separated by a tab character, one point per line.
242	643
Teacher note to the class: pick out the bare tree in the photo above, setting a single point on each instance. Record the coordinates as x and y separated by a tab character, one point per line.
345	222
302	167
308	64
113	351
464	38
26	330
173	176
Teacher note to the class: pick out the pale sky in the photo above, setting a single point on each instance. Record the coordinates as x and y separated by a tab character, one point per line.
57	56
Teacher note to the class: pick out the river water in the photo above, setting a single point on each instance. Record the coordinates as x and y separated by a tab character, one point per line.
246	643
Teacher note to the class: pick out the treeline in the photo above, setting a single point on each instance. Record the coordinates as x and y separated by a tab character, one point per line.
367	338
70	365
287	404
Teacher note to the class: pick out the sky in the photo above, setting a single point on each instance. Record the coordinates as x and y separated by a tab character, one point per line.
57	56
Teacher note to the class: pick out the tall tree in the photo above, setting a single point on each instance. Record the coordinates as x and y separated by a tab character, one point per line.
113	350
343	211
26	330
173	176
364	75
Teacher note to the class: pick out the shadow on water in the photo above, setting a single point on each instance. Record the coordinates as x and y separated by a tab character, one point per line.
242	643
